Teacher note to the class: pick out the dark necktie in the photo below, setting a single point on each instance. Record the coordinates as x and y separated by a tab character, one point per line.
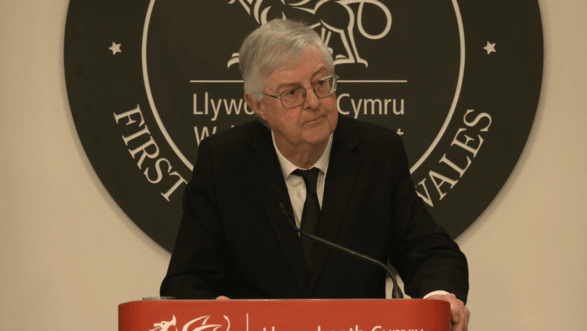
310	213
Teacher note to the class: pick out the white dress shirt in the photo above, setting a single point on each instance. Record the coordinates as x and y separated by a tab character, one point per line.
296	187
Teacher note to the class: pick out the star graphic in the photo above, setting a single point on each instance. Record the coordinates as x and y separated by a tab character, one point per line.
115	48
490	48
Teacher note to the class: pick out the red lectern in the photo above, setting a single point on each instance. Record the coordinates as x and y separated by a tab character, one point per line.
285	315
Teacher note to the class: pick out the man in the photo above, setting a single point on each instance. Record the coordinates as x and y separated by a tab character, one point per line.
234	240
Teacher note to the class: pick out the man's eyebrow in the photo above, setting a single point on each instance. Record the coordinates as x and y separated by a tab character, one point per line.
287	85
320	71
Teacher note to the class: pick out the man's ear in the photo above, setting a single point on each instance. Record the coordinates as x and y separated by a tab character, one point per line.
257	106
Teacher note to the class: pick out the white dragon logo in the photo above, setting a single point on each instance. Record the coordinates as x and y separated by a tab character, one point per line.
165	326
319	9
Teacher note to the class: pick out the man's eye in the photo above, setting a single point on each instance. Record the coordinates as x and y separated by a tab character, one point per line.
291	92
321	82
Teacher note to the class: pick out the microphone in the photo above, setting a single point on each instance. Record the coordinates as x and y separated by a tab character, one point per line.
275	193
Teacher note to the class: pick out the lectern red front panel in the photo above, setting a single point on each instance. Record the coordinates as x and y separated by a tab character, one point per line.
285	315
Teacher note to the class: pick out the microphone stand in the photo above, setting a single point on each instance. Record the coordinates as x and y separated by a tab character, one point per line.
275	193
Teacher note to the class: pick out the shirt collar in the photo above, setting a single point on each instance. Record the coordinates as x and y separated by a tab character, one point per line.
287	167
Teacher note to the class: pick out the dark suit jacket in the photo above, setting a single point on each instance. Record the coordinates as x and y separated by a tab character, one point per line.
234	239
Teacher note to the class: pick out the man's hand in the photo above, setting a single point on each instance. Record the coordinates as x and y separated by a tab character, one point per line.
460	314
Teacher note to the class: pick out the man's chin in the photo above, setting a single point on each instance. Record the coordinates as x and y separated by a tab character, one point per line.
317	137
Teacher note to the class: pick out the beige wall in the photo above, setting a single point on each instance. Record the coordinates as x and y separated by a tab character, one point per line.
69	255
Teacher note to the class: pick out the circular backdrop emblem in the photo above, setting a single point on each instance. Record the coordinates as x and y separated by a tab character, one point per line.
459	81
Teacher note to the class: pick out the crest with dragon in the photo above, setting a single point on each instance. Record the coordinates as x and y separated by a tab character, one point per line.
329	17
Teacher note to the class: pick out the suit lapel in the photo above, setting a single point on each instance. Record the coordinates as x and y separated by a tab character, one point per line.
343	170
264	167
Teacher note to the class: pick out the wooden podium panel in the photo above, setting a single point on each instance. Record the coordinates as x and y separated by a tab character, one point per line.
285	315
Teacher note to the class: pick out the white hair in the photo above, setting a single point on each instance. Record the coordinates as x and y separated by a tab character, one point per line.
275	45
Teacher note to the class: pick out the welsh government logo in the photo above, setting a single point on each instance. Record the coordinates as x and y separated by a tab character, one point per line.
319	16
197	324
458	81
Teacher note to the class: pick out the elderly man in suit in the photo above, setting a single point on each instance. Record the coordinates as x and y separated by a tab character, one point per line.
342	179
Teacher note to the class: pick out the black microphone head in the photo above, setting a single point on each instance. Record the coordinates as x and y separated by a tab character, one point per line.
274	192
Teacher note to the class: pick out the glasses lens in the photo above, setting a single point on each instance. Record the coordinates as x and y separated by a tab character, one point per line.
325	87
293	97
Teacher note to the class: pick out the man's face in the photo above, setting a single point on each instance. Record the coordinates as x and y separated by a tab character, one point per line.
313	121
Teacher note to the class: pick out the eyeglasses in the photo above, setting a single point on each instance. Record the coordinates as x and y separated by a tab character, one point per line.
296	96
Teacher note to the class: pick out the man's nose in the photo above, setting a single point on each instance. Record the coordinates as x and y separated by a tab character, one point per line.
312	101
